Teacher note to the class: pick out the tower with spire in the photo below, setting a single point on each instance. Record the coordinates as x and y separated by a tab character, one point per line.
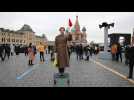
77	26
78	36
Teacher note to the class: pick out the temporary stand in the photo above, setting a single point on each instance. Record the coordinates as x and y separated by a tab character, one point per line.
61	79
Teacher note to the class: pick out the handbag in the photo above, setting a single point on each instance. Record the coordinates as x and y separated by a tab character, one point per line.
55	60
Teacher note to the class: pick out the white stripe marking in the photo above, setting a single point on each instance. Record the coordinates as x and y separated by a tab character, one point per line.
27	72
113	71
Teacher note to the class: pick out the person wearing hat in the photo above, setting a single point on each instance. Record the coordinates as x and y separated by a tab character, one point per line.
61	50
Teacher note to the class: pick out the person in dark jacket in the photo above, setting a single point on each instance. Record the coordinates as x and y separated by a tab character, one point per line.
2	52
52	54
119	52
87	52
126	54
77	51
91	51
81	52
69	51
26	51
17	50
7	50
131	61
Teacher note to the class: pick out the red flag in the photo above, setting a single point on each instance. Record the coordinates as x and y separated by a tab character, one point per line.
70	23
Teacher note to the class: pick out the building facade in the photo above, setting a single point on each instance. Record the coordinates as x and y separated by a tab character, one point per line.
115	38
78	36
23	36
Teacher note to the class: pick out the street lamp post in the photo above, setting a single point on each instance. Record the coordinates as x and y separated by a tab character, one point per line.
106	27
132	42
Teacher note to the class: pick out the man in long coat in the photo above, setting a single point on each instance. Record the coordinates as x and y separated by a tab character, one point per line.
131	61
61	49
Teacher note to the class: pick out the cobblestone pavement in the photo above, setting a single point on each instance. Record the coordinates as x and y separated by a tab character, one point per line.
82	73
119	66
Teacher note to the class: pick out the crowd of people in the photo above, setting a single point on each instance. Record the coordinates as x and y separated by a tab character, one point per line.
32	50
83	52
117	50
63	52
6	50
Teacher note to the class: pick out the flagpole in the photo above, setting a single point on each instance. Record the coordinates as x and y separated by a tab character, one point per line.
69	29
70	24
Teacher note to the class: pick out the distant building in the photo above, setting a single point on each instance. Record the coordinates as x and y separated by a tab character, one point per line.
115	38
23	36
78	36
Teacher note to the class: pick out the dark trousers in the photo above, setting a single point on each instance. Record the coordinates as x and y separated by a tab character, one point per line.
131	64
26	53
8	54
52	56
119	55
90	54
126	61
113	56
81	56
87	58
77	55
2	56
42	56
11	53
48	51
61	70
30	62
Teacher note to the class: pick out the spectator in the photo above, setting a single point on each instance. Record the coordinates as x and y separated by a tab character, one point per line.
131	61
119	52
12	49
26	50
2	52
41	49
80	52
7	50
87	52
114	51
31	54
77	51
126	55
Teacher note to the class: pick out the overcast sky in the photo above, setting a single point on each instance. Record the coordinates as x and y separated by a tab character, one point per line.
49	22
